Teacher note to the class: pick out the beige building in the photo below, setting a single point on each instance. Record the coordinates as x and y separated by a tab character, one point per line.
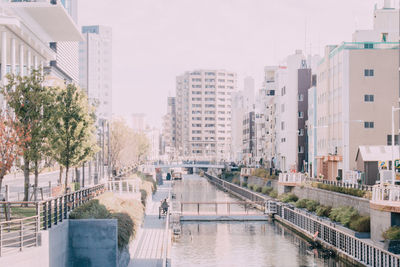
203	114
356	89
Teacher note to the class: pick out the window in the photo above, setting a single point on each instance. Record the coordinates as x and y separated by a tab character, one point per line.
282	125
301	132
368	72
301	97
196	125
384	36
369	98
301	114
389	140
283	91
283	108
368	124
368	46
301	149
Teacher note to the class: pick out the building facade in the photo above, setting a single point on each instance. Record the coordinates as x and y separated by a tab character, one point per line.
95	68
203	114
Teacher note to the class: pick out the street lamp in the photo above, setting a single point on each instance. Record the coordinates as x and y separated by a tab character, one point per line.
393	167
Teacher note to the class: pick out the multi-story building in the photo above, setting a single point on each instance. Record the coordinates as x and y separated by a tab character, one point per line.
169	129
312	129
95	68
138	122
249	137
238	111
203	114
26	32
357	86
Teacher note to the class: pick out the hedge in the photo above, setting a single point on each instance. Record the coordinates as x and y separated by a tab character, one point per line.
392	233
343	190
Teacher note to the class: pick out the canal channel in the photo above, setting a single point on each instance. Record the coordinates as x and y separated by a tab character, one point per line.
265	243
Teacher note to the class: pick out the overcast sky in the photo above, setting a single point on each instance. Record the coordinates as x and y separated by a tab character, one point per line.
156	40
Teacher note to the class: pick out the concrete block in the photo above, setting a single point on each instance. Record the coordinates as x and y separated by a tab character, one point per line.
380	222
93	242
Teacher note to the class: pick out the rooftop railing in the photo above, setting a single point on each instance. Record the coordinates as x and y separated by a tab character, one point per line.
388	194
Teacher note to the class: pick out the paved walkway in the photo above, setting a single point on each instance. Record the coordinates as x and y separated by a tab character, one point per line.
147	248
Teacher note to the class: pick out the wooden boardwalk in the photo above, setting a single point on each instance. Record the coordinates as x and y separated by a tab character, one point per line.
148	247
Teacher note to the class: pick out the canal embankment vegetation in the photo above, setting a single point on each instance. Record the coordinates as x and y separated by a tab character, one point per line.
345	215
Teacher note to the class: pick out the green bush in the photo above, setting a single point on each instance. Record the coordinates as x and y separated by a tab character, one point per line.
392	233
266	190
255	188
344	215
77	186
361	224
244	184
260	172
312	205
343	190
288	197
143	196
90	210
259	188
273	194
301	203
125	228
323	211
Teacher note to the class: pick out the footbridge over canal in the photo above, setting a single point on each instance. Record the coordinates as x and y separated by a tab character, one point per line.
221	211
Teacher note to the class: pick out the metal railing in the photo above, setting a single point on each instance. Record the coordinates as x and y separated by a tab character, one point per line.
358	249
246	171
16	235
220	208
389	193
124	186
342	184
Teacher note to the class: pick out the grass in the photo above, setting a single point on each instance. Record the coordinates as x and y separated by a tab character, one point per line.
266	190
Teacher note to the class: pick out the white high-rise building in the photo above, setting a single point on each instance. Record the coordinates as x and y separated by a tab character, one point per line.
95	68
203	114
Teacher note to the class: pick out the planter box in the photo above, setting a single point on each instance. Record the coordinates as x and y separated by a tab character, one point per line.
392	246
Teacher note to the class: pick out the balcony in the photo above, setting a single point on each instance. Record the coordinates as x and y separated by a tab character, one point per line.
46	18
386	198
291	179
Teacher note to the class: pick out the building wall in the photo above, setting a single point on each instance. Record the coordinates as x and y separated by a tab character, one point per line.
304	83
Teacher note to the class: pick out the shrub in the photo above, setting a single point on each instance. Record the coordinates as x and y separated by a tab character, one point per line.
143	196
361	224
344	215
288	197
125	228
273	194
260	172
244	184
312	205
259	188
323	211
343	190
392	233
301	203
266	190
255	188
91	210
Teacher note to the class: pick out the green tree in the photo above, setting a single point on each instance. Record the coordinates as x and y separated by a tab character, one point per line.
72	136
29	100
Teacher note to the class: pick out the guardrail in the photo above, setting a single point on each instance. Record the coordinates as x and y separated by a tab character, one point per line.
16	235
342	184
388	193
220	208
124	186
291	178
358	249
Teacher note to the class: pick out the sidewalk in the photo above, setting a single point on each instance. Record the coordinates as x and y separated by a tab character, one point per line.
147	248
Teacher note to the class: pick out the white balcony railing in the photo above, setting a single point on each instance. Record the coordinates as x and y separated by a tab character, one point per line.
246	171
388	194
297	177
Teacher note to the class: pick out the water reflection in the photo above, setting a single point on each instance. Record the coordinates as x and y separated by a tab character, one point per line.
237	244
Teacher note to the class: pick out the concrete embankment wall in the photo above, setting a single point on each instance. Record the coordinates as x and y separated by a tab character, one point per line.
329	198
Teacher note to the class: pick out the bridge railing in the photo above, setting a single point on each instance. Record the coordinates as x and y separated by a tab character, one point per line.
363	187
124	186
388	194
16	235
219	208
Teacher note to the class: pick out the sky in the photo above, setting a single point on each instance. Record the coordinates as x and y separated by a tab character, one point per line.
156	40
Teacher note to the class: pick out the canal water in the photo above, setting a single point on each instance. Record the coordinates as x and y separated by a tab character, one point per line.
237	243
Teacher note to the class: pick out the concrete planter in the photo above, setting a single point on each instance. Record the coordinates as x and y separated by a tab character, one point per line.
392	246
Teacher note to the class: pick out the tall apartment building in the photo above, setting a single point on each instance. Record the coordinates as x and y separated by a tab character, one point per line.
169	128
357	85
95	68
238	111
249	137
203	114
